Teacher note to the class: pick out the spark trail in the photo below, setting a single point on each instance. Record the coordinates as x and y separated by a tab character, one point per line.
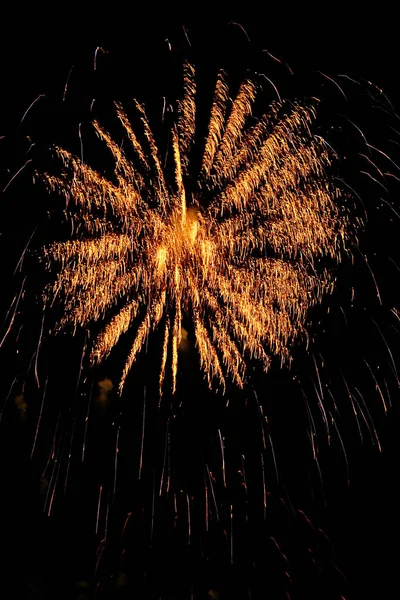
240	248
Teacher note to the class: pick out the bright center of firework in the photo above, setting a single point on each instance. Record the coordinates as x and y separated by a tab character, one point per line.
179	243
243	266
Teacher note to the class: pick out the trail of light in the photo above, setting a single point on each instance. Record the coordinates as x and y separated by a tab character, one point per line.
40	417
37	351
142	438
14	313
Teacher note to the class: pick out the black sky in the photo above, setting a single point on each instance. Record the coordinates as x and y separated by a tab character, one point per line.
38	58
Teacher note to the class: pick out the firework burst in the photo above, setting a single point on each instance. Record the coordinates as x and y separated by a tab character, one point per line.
241	246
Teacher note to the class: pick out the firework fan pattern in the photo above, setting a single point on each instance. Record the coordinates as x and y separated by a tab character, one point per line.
241	246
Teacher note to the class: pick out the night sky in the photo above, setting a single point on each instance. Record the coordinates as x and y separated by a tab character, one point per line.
355	555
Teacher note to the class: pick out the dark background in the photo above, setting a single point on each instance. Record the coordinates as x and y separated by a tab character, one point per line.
54	556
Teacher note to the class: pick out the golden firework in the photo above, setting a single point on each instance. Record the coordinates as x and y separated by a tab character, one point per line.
237	249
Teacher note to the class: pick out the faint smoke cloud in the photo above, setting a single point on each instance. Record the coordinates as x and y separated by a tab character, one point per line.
105	387
184	344
21	406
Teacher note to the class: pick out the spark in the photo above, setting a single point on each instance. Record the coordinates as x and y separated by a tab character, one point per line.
19	263
98	49
142	438
240	27
87	422
39	419
233	250
18	298
116	461
30	106
186	35
16	174
37	352
334	82
388	349
66	83
222	456
7	397
98	508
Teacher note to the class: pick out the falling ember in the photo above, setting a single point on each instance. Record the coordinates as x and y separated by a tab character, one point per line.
236	250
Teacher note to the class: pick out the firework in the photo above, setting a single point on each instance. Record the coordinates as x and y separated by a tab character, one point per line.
241	248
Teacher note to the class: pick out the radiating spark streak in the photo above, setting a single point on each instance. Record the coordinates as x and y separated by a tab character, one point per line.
165	459
66	83
30	106
231	535
358	129
323	412
19	263
19	333
148	251
186	35
372	163
350	78
14	313
53	445
334	82
128	516
107	517
387	347
153	505
240	27
318	377
81	362
69	455
96	52
86	423
56	472
261	420
213	493
272	56
116	462
381	92
7	397
242	458
388	393
274	458
320	476
37	351
375	180
343	448
206	501
311	422
365	258
385	155
377	387
221	442
80	140
370	423
390	206
273	85
39	418
98	509
99	554
351	398
142	438
264	487
279	549
164	358
16	174
189	518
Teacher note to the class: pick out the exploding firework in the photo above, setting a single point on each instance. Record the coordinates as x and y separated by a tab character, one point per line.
241	247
